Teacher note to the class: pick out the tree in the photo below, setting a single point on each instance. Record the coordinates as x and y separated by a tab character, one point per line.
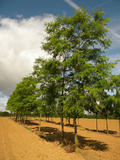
46	73
79	43
116	87
92	103
23	97
108	109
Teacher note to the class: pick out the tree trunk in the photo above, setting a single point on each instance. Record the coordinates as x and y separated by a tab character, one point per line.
119	125
62	119
40	123
16	119
14	116
78	121
26	118
22	118
107	131
48	118
10	115
96	123
62	129
76	137
66	120
51	119
34	117
69	120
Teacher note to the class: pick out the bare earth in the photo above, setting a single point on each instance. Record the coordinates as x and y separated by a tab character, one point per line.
18	143
92	145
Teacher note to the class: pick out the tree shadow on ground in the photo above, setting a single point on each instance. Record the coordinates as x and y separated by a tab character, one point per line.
28	122
31	123
53	134
53	122
58	123
102	131
69	125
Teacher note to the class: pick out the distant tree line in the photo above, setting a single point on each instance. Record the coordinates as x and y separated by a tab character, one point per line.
4	113
76	77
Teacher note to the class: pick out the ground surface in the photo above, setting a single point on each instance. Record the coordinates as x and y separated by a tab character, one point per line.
19	143
92	145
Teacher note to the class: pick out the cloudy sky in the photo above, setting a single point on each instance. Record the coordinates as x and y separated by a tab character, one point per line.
22	31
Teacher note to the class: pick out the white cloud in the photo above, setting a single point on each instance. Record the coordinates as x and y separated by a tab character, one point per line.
114	58
72	4
19	16
115	34
2	108
116	70
20	42
115	47
3	101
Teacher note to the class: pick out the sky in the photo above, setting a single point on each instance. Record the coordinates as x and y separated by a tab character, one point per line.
22	29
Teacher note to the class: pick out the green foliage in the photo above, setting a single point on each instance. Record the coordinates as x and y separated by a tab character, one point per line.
115	82
23	97
79	42
4	114
47	74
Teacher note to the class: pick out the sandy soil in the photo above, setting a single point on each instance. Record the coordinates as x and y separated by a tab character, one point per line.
18	143
92	145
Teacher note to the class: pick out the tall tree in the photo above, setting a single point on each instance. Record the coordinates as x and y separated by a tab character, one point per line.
79	42
46	73
116	88
108	109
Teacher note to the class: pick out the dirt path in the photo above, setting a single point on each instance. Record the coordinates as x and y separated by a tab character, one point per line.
18	143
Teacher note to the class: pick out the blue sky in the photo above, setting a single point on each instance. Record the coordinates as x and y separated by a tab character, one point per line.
28	8
22	31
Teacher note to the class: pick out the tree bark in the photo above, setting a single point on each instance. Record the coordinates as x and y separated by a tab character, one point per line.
107	131
62	129
26	117
69	120
16	119
76	137
78	121
96	123
48	118
119	125
62	118
40	123
51	119
66	120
